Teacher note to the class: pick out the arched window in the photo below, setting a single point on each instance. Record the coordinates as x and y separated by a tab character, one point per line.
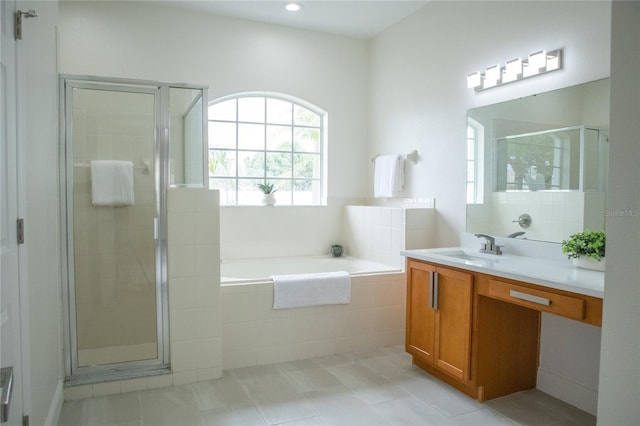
258	138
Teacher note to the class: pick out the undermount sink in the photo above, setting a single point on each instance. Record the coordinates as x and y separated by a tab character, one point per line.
478	259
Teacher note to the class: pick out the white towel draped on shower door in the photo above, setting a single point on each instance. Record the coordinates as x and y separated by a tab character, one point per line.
388	178
299	290
112	183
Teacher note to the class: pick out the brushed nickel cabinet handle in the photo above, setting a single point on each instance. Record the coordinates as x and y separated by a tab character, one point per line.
431	289
529	297
436	289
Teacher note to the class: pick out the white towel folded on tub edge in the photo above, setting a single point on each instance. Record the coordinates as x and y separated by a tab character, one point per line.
299	290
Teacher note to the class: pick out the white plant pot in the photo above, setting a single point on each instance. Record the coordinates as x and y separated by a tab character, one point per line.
269	199
589	263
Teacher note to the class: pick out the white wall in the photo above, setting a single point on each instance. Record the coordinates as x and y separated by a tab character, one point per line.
418	87
42	221
138	40
620	366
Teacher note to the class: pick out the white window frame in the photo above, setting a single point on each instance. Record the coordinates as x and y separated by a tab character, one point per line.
477	160
320	197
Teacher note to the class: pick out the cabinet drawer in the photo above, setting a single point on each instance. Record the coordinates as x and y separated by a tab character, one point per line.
539	300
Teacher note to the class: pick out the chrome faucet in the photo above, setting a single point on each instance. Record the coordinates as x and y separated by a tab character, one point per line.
490	245
516	234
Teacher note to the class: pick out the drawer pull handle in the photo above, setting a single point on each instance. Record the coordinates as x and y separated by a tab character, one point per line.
431	288
529	298
436	290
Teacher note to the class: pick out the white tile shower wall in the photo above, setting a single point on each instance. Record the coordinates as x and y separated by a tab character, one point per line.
253	333
553	214
379	233
194	285
195	337
594	205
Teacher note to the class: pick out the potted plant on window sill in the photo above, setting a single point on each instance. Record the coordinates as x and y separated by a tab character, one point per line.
268	199
586	249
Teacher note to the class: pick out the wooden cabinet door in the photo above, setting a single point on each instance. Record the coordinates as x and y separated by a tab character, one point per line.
453	322
420	325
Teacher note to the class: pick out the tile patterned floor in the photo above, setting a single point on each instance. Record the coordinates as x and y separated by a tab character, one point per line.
378	388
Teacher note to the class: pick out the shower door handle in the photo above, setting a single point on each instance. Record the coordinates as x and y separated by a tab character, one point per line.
155	228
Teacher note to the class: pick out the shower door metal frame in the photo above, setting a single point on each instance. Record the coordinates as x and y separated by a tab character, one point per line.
92	374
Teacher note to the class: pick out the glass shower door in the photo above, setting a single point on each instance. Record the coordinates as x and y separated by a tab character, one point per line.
114	254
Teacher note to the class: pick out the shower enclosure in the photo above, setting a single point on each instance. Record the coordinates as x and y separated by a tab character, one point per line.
123	143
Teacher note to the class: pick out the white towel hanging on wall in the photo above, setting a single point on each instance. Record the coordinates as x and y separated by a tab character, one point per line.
388	178
112	183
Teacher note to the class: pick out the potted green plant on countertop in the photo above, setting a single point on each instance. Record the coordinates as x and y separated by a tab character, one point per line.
268	189
587	249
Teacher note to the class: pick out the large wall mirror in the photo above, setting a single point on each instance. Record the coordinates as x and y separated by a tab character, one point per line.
537	166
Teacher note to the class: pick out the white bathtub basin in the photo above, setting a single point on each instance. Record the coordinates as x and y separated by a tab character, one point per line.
240	271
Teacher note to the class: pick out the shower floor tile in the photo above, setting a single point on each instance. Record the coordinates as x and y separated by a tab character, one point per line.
379	388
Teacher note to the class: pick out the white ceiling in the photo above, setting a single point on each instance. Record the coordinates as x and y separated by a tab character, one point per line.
360	19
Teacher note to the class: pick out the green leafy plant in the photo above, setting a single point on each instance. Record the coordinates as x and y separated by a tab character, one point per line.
267	188
585	244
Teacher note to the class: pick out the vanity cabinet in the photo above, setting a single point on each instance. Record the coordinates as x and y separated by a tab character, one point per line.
481	333
439	314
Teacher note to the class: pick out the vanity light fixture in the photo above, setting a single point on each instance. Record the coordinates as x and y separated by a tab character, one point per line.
512	71
474	80
539	62
293	7
493	76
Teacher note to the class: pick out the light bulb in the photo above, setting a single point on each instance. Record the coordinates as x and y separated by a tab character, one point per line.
293	7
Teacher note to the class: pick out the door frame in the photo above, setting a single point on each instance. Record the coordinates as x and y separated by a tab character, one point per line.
22	374
77	374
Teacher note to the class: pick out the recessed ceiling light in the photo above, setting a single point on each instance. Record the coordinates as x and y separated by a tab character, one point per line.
293	7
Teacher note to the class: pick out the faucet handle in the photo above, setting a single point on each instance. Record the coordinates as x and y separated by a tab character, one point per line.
490	245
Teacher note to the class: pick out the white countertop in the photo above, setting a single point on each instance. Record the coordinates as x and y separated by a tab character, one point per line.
558	274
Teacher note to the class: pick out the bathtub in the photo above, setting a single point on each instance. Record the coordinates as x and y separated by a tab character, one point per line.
253	333
259	270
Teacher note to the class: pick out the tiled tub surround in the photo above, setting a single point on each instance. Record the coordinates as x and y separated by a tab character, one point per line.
195	337
379	233
260	270
369	232
255	334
